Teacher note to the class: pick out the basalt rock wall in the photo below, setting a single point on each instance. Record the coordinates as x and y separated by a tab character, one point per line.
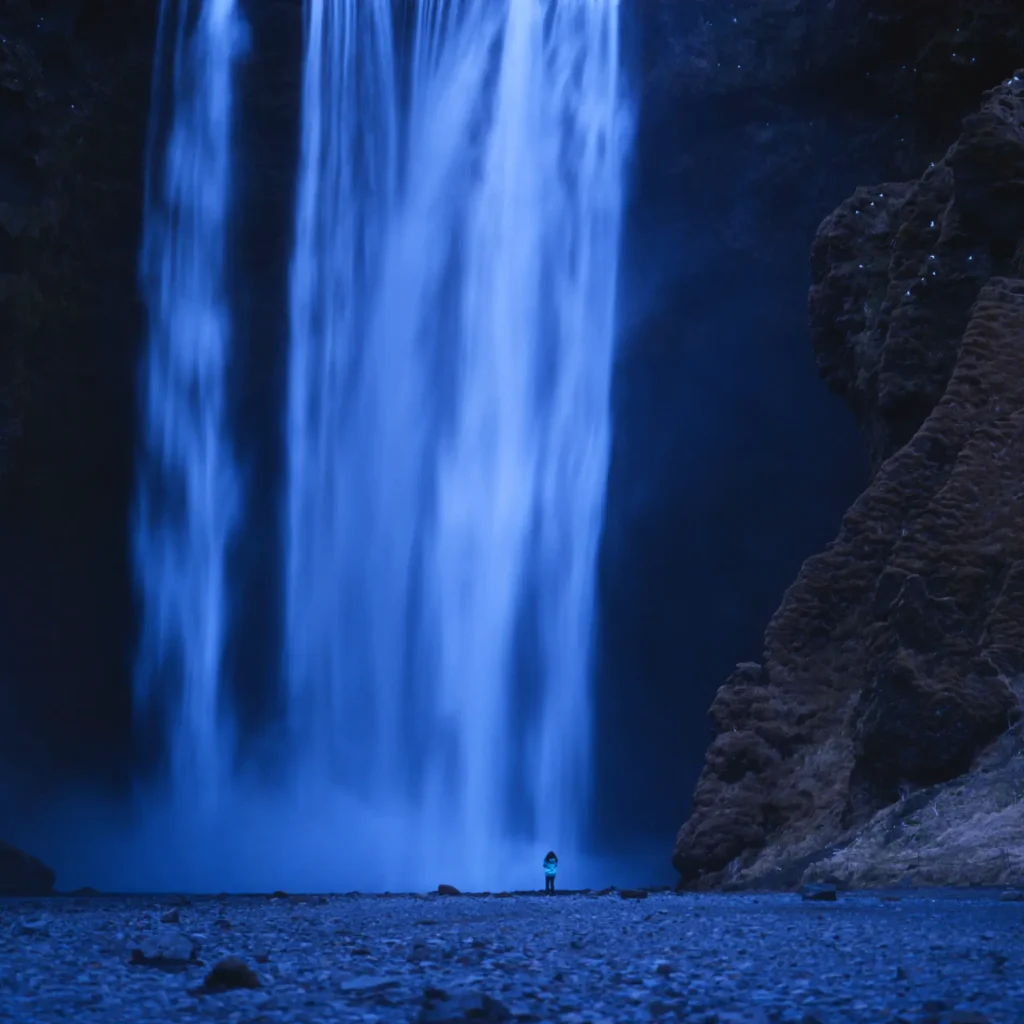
894	663
74	97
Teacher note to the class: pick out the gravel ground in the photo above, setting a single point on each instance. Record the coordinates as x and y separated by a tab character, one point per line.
938	957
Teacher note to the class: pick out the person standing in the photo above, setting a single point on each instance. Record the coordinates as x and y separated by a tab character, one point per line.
550	870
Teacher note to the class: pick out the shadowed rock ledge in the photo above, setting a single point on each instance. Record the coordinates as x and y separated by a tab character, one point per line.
893	671
23	875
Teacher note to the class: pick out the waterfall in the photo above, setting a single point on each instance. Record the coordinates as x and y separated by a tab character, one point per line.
452	333
188	494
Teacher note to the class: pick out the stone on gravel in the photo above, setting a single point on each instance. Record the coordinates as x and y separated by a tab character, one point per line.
23	875
171	917
230	973
34	926
633	894
819	893
447	890
169	949
1012	896
440	1007
367	983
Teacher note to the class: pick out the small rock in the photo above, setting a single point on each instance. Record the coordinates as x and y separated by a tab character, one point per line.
901	974
367	983
968	1017
171	917
34	926
230	973
85	890
22	875
448	890
819	893
168	950
633	894
1012	896
278	894
461	1008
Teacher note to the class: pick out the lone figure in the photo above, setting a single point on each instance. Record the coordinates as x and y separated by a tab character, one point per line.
550	870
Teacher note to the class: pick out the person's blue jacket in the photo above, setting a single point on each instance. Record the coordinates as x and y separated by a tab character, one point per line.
550	865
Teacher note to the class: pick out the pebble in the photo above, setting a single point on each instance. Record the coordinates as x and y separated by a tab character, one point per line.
230	973
706	959
819	893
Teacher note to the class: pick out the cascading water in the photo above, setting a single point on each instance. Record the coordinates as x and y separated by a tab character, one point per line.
188	494
453	306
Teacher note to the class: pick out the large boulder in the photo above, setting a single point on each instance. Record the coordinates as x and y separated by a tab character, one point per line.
22	875
894	659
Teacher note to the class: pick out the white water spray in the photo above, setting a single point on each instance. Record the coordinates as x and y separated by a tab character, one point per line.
188	494
453	308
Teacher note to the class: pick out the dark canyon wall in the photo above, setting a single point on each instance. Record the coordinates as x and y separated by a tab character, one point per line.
74	96
890	675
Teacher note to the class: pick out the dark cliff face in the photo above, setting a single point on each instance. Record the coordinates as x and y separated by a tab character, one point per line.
892	663
74	95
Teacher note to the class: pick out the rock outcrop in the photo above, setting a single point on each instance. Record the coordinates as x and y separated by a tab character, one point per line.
22	875
896	659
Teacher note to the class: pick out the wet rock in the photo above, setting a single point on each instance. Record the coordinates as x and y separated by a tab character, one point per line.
22	874
819	893
447	890
168	949
34	926
368	983
440	1007
230	973
172	916
633	894
1012	896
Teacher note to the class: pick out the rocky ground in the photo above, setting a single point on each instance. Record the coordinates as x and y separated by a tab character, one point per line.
918	957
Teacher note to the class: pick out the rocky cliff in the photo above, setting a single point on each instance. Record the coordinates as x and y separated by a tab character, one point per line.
891	682
74	96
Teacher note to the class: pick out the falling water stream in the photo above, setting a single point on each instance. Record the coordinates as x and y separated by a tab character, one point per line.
447	426
453	307
188	495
